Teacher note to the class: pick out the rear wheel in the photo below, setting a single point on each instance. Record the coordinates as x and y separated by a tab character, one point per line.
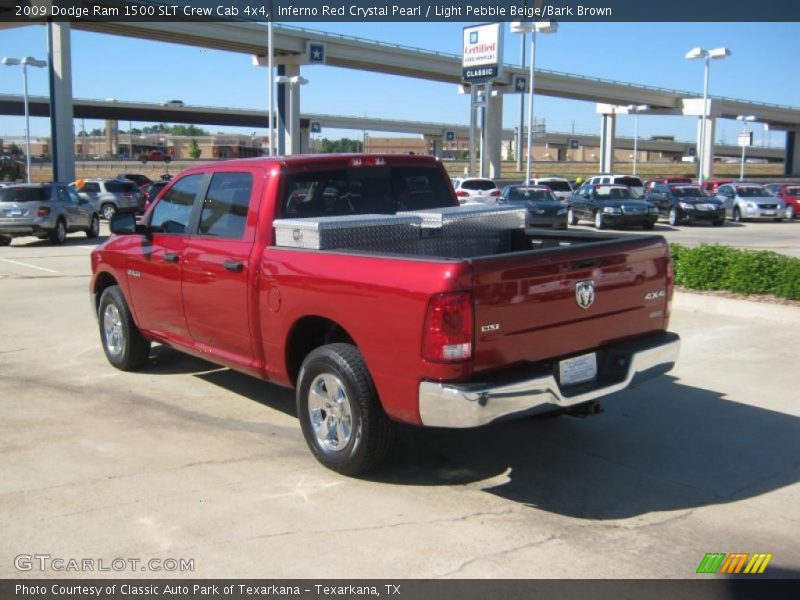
94	228
108	210
59	235
572	219
123	343
341	416
599	220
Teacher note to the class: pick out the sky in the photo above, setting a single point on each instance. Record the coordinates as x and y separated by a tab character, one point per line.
762	68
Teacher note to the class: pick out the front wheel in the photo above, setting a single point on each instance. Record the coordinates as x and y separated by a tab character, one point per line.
123	343
789	213
94	228
5	240
572	219
341	416
737	214
599	220
674	216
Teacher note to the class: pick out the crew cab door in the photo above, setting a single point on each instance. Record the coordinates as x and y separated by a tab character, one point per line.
154	267
217	271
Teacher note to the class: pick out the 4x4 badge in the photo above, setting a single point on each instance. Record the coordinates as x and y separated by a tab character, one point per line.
584	293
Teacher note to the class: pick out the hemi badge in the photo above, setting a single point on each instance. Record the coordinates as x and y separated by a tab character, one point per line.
492	327
133	273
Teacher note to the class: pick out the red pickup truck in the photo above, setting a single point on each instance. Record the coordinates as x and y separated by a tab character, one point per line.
337	275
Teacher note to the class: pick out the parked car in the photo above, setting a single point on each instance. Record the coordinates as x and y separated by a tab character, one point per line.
611	205
108	196
544	209
143	181
790	194
155	156
448	333
744	201
44	210
152	192
475	189
679	203
631	181
173	103
711	185
650	183
560	186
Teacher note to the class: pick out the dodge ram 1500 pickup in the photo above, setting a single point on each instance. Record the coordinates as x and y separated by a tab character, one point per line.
358	281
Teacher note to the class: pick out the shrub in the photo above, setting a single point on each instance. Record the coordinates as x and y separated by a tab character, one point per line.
715	267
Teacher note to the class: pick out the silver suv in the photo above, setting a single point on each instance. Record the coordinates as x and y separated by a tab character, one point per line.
45	210
111	195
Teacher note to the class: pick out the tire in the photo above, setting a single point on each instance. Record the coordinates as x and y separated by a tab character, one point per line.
5	240
789	213
108	210
571	218
94	228
778	220
719	222
122	341
335	385
674	216
599	220
59	235
737	214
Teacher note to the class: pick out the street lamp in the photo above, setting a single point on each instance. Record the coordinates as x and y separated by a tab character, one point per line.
636	109
532	27
292	82
26	62
707	55
745	119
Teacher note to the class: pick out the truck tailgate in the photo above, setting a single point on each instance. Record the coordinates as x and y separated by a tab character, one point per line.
527	305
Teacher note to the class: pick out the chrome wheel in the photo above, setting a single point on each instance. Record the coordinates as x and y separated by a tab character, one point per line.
108	211
790	212
94	228
112	330
599	221
674	219
330	412
571	218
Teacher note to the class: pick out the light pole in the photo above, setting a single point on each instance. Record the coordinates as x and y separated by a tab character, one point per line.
532	27
636	109
745	119
292	82
26	62
706	55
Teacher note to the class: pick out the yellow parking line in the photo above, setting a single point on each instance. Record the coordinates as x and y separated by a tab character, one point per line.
22	264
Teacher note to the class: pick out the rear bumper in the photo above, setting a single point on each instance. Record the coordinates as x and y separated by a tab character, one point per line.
474	404
23	227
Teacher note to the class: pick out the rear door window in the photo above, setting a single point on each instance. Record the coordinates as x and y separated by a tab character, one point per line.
225	207
173	212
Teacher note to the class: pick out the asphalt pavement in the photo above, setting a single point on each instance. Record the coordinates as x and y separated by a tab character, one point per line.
186	460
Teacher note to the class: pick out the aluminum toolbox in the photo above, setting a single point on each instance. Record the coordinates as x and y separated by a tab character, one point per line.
349	231
470	220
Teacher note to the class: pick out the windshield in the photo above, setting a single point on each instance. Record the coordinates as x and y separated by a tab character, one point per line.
529	194
605	192
751	191
685	191
25	194
629	181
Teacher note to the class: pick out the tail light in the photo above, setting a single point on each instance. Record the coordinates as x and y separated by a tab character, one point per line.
495	193
43	211
367	161
462	194
448	332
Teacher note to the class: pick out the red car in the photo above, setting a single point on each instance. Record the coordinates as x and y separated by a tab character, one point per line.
790	194
711	185
648	185
359	281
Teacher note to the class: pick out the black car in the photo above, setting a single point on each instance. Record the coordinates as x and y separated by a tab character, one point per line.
543	208
680	202
141	180
611	205
152	192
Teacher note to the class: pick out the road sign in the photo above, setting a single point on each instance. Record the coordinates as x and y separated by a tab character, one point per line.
449	136
315	53
574	144
519	85
315	126
746	139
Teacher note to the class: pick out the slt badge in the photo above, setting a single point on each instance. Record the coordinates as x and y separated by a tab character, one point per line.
584	293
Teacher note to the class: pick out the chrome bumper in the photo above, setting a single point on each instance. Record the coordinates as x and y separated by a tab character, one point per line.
475	404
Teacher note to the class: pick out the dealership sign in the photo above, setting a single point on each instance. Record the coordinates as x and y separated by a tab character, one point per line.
482	58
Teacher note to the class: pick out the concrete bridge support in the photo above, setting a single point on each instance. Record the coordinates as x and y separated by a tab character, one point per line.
791	165
59	60
608	123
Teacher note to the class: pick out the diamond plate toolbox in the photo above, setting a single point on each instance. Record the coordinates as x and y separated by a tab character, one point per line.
349	231
470	221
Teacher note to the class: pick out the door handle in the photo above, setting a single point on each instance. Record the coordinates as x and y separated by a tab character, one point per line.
234	266
171	257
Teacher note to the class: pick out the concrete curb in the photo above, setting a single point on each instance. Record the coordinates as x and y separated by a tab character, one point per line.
733	307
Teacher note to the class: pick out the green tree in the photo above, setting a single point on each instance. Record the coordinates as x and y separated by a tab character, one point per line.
188	130
13	149
194	150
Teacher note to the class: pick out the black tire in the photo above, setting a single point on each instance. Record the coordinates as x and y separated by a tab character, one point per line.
599	220
737	214
94	228
133	348
59	235
108	210
779	220
371	432
674	216
719	222
5	240
572	219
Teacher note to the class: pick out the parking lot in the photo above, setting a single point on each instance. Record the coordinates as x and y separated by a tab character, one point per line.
187	460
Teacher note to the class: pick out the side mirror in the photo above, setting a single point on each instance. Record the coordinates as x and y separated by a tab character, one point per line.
123	223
